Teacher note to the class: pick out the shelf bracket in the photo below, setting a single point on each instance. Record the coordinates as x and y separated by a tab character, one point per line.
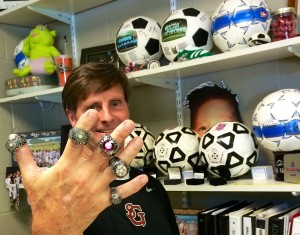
63	17
295	49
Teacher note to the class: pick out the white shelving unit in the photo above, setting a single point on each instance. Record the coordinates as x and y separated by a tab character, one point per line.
166	76
242	185
32	12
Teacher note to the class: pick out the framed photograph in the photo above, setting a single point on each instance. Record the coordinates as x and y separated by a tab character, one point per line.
187	220
104	54
44	146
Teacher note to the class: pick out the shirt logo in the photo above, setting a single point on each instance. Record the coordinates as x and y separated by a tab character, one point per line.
149	189
135	214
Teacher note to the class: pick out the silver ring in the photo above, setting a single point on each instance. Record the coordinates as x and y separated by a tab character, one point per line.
79	135
14	142
115	198
119	168
108	145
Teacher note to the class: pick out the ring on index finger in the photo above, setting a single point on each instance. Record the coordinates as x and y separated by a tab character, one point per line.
14	142
108	145
79	135
119	168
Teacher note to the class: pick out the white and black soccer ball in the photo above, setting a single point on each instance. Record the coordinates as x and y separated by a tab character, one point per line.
185	27
259	39
21	60
276	120
230	144
235	21
177	146
145	155
137	41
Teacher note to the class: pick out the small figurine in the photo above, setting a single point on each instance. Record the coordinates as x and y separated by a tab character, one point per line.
39	48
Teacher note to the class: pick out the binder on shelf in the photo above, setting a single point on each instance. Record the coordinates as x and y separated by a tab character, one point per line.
249	220
204	217
262	219
279	224
297	215
221	220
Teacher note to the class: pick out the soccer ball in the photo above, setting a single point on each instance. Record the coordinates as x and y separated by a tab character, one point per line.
231	144
235	21
185	27
137	41
21	60
145	155
176	146
259	39
276	120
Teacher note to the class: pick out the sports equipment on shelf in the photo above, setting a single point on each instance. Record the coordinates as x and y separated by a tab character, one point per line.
137	41
231	144
145	155
176	146
185	27
276	120
235	21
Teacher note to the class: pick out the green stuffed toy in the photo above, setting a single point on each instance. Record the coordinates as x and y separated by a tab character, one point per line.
38	47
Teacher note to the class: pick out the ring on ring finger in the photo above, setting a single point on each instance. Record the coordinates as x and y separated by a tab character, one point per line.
14	142
119	168
108	145
79	135
115	198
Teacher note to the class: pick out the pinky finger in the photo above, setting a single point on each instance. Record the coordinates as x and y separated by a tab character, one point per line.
133	186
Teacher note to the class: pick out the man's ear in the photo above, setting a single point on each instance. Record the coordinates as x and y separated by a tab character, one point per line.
72	117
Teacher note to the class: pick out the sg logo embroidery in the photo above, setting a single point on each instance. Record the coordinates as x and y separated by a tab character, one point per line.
135	214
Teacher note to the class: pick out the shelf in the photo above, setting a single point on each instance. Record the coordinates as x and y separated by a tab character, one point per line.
166	76
243	185
27	13
51	95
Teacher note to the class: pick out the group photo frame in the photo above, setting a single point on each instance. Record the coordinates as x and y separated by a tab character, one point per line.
187	220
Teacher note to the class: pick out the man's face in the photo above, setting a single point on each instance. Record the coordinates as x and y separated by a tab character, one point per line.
211	113
111	106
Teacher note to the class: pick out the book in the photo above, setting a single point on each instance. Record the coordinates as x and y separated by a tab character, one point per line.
278	224
292	222
249	220
262	219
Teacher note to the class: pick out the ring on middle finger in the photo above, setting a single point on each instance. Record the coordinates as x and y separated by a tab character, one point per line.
119	168
108	145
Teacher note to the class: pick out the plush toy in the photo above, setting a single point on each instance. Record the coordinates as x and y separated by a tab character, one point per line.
38	47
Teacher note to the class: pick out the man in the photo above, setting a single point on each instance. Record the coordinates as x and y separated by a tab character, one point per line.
104	88
67	198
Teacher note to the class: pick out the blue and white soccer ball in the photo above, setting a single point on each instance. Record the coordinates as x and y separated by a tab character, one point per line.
185	27
230	144
145	155
21	60
176	146
235	21
276	120
137	41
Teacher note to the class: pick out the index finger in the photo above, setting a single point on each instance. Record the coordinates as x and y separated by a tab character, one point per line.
85	122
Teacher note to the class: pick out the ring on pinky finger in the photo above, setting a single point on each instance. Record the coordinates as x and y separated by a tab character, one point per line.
14	142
